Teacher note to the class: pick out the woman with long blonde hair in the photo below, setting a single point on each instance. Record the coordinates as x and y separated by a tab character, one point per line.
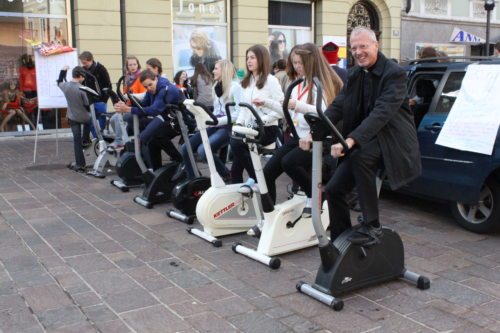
225	89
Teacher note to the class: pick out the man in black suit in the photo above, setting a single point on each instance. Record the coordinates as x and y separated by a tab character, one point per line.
380	133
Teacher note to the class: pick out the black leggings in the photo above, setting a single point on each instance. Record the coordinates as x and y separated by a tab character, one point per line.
241	155
292	160
359	169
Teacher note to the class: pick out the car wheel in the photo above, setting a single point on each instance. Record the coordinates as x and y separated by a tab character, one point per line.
483	216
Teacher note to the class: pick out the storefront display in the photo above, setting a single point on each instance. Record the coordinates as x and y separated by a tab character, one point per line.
199	34
23	24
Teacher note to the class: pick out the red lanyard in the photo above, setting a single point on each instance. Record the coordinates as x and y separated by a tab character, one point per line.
301	94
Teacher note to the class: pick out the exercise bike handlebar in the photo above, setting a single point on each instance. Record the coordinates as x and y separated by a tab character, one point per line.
228	112
319	102
89	91
135	101
97	88
115	98
288	119
259	121
214	120
118	88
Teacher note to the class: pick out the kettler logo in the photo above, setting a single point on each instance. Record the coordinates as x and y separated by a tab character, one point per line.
347	279
224	210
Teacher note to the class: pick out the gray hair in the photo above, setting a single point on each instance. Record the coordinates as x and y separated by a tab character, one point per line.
361	29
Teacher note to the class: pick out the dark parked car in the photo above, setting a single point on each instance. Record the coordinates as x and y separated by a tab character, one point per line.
470	182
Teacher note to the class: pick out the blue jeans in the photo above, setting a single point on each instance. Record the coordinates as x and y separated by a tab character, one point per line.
218	138
117	128
100	109
76	129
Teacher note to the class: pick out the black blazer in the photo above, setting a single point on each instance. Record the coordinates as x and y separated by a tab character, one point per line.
389	118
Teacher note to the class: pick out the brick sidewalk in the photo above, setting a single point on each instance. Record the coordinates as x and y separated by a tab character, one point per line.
77	255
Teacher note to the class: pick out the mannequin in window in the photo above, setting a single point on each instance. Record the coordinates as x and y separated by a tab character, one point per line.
27	86
11	105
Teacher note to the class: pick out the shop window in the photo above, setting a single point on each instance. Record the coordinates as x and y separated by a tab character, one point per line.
290	23
53	7
199	34
290	13
22	25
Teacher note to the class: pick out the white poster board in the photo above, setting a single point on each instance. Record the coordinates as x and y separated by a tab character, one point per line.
47	73
473	121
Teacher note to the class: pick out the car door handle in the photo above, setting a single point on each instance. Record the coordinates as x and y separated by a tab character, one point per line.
434	127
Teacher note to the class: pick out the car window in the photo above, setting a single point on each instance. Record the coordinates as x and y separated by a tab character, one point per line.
421	92
450	91
422	85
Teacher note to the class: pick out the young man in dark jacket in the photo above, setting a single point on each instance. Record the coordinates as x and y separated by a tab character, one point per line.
100	73
380	133
159	91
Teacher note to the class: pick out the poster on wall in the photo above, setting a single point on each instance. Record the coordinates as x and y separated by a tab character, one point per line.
198	43
282	39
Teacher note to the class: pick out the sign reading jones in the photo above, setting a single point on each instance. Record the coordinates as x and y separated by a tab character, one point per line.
199	10
28	1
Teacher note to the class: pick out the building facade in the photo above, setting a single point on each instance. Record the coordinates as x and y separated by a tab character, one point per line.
179	32
457	27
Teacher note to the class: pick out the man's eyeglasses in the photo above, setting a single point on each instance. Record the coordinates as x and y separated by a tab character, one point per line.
362	47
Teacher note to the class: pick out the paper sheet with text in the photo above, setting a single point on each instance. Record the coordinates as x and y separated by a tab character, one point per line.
474	119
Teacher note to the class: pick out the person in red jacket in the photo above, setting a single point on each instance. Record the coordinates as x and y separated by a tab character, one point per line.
27	76
10	105
27	86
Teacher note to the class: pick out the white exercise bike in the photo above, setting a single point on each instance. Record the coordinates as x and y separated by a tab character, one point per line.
222	209
284	229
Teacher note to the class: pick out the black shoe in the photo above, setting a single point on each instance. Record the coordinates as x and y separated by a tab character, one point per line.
86	144
366	234
80	169
71	165
227	178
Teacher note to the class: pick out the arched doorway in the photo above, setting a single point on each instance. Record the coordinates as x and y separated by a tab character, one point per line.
362	13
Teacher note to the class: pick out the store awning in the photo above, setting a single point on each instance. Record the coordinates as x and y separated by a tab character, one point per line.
463	37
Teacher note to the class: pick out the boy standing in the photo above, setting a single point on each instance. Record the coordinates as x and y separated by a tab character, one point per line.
78	112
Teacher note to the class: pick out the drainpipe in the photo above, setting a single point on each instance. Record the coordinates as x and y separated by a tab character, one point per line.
73	27
123	28
408	6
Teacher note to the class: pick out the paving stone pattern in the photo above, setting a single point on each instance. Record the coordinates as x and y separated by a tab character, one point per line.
77	255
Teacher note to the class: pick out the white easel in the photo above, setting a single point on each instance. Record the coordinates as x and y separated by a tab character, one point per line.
49	94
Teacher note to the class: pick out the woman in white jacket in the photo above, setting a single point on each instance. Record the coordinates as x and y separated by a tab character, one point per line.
307	62
225	90
263	91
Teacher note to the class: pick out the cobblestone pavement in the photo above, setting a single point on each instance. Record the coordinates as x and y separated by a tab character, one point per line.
77	255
